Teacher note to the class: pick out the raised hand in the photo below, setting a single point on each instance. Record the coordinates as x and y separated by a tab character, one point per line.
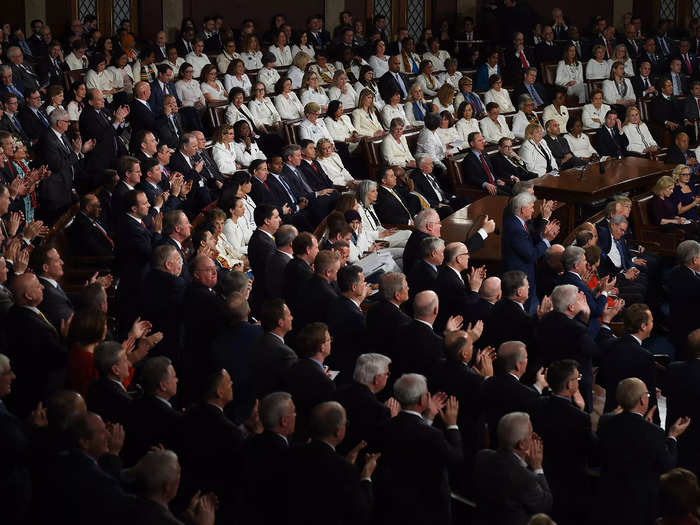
540	379
370	465
474	332
484	361
454	323
38	416
436	402
16	219
476	277
679	426
393	406
22	260
140	328
352	455
535	453
545	307
65	326
158	223
115	440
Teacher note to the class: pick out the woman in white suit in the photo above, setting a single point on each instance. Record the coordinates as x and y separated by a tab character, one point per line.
637	133
312	127
287	103
430	144
395	151
332	164
223	151
535	153
594	113
371	226
618	89
340	126
570	74
262	109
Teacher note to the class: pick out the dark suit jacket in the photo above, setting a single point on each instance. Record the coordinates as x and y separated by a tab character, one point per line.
49	72
270	358
547	53
507	169
416	458
33	126
560	148
37	45
605	245
507	492
605	144
658	63
348	328
101	129
521	249
368	415
456	298
162	299
55	193
309	386
596	304
14	472
274	273
630	468
24	77
166	132
634	48
509	322
389	209
316	178
384	321
421	277
260	247
149	422
86	239
501	395
683	400
423	186
109	400
476	174
675	155
133	252
156	100
416	349
638	85
141	118
56	305
387	83
315	300
662	109
411	252
296	276
684	293
541	91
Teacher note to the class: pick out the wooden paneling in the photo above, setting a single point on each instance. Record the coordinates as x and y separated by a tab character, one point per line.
58	16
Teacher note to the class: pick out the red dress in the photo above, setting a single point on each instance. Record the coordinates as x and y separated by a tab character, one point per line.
82	371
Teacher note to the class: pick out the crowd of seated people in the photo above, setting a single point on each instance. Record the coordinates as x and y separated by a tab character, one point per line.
202	309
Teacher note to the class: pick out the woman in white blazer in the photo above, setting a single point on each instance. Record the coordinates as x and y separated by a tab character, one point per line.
282	52
393	108
268	75
332	164
430	144
466	124
223	151
428	82
365	118
579	142
287	103
597	67
570	74
535	153
367	81
245	144
416	108
311	91
497	94
593	114
303	46
262	109
395	150
371	226
637	133
342	90
525	116
620	55
618	89
557	109
312	127
236	77
340	126
494	126
236	229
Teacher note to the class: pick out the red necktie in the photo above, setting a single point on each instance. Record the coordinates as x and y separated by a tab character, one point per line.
314	167
525	226
266	186
610	53
523	60
104	233
143	224
688	67
487	170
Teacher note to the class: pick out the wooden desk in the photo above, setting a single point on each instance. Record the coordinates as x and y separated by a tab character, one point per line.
584	187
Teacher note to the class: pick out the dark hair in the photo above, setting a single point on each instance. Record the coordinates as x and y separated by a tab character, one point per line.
636	315
332	109
87	327
348	276
559	373
511	281
263	213
271	313
432	121
310	339
302	243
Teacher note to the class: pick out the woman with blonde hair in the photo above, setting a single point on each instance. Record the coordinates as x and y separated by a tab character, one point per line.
223	152
684	196
416	108
426	80
332	164
296	72
640	140
535	153
342	90
570	74
444	101
311	90
620	55
251	54
663	211
597	67
364	117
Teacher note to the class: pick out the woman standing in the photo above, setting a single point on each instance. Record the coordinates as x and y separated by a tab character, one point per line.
570	74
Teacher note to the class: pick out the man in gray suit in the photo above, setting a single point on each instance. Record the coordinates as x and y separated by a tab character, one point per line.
271	357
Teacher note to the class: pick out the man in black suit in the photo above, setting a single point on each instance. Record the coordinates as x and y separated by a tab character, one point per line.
9	121
298	271
508	164
505	392
583	49
683	289
626	357
392	201
633	47
688	59
176	229
152	420
161	87
320	202
549	270
318	37
560	147
48	266
161	194
481	172
169	124
320	291
211	176
394	80
185	44
271	356
633	464
33	119
385	318
609	140
457	297
346	321
518	59
642	82
50	66
23	75
512	485
64	159
260	247
691	109
607	39
187	162
529	86
8	86
278	260
308	379
678	78
547	50
416	456
434	187
666	110
34	347
107	395
679	152
313	172
142	114
347	492
37	45
424	271
658	63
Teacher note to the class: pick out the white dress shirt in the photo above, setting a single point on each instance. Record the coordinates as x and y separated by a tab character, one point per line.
314	132
289	107
590	112
283	57
231	81
396	153
534	159
493	133
101	81
550	113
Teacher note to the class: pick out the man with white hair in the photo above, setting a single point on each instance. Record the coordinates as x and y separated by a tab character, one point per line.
684	293
512	485
416	455
385	317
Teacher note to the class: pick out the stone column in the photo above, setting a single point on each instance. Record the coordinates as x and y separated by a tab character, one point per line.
172	17
331	13
33	9
466	8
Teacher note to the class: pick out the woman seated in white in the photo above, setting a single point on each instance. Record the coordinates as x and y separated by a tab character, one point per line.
444	101
227	255
287	103
323	67
525	116
236	228
236	77
430	144
268	75
367	82
312	127
466	124
366	196
211	88
426	80
122	74
448	134
250	52
303	45
172	60
197	59
395	151
618	89
594	113
296	72
620	55
342	90
247	149
379	62
227	55
640	140
393	109
245	186
494	126
416	108
311	90
535	153
570	74
451	76
98	78
597	67
340	126
188	90
223	152
579	142
364	117
332	164
282	52
436	55
410	61
264	113
497	94
557	109
351	64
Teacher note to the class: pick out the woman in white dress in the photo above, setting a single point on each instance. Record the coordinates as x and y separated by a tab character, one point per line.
283	53
570	74
525	116
620	55
466	124
618	90
393	109
312	91
535	153
426	80
448	134
98	78
236	229
594	113
303	45
268	75
640	140
296	72
436	55
287	103
122	76
430	144
342	90
579	142
76	105
172	60
371	226
197	58
265	116
323	68
236	77
379	61
251	54
365	118
451	76
332	164
395	150
245	144
223	152
227	55
497	94
340	126
557	109
367	82
597	67
212	89
245	186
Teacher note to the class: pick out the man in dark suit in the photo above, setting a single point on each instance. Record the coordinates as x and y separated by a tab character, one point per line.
658	62
665	110
560	147
269	187
278	260
549	270
9	121
33	119
107	395
48	266
313	172
634	48
385	318
169	124
518	59
434	187
393	80
457	297
642	83
508	164
320	291
684	286
424	271
86	236
512	485
8	86
318	37
186	161
161	195
320	202
260	247
23	75
504	392
547	50
347	493
63	158
271	357
583	48
520	247
34	347
392	205
162	86
298	271
176	229
607	39
416	457
37	45
50	66
529	86
142	114
633	454
679	152
678	78
609	140
481	172
688	59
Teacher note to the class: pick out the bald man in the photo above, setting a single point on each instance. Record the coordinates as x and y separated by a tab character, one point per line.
86	234
489	295
457	290
34	347
142	115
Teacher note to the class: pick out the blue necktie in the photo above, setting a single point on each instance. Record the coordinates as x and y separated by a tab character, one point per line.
42	118
16	91
399	81
287	189
417	111
18	126
535	96
623	261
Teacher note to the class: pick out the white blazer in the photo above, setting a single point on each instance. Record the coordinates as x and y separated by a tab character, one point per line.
296	75
335	169
611	95
520	122
378	102
238	234
491	132
283	57
534	159
437	60
639	137
366	124
252	60
225	157
502	98
452	80
309	50
309	95
341	130
465	127
264	112
422	81
629	68
314	132
230	82
597	70
394	153
246	157
430	143
269	77
550	113
289	108
567	73
590	112
580	147
389	113
347	99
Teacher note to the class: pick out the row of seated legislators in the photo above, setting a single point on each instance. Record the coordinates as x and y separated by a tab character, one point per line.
217	305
